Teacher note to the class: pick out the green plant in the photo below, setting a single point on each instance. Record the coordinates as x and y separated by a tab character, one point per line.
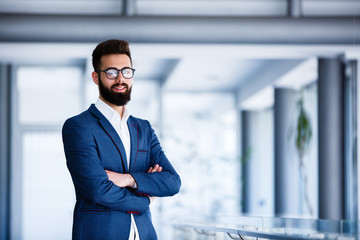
303	136
303	129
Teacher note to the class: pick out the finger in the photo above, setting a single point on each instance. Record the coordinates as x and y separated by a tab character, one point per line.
159	169
150	170
156	167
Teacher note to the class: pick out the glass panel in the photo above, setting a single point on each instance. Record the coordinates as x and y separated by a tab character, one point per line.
48	95
311	156
258	162
199	138
145	101
48	195
351	161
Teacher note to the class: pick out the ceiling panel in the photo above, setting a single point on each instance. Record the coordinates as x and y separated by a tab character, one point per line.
228	8
78	7
211	73
152	68
330	8
212	8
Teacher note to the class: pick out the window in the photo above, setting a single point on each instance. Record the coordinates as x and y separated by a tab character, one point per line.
42	191
199	138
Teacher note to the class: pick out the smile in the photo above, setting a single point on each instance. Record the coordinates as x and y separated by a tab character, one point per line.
120	88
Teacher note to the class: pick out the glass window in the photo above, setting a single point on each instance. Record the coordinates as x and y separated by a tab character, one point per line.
311	157
48	95
145	101
45	97
199	138
48	195
258	163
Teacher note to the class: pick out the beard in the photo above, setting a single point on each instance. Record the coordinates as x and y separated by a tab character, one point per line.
118	99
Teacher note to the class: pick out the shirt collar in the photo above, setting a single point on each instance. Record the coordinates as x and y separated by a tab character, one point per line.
109	112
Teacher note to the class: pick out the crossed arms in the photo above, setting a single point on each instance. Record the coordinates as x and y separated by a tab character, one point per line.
126	180
108	188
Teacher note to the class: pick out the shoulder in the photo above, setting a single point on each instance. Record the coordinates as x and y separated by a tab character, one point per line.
84	116
82	120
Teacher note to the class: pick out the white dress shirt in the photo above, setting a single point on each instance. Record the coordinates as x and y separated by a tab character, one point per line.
122	129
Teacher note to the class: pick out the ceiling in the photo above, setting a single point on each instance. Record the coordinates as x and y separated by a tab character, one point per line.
273	8
233	46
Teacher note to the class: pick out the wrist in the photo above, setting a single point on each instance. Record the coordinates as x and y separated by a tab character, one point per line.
131	181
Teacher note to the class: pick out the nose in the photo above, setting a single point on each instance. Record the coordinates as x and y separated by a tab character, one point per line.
120	78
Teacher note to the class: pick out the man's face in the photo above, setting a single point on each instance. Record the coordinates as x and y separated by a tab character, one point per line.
115	91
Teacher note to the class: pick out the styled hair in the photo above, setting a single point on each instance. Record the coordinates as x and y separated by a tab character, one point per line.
112	46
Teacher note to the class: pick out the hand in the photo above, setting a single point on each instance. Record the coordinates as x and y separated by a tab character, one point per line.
121	179
156	168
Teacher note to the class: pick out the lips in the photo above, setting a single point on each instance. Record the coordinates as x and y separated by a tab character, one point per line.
120	88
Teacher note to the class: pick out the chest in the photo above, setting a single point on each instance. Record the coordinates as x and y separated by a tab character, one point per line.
123	154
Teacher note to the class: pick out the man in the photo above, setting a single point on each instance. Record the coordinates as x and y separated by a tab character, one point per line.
115	160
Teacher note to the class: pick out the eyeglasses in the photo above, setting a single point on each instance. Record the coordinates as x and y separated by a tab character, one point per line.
113	73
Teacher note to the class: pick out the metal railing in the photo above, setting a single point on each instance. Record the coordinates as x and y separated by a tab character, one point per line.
247	228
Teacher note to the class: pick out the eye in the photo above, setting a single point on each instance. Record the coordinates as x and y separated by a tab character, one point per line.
112	73
127	72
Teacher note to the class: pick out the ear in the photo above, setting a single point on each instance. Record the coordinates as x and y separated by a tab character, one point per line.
95	77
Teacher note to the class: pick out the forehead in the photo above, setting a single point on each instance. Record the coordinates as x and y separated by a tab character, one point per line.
115	60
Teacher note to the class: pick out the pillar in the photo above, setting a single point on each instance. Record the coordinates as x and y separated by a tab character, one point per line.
331	138
245	148
286	172
4	151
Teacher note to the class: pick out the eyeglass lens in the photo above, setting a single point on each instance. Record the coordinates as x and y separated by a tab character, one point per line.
113	73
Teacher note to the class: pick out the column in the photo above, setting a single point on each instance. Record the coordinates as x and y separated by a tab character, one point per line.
294	8
4	151
286	170
331	138
245	171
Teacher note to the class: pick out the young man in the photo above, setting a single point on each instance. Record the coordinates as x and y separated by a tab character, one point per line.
115	160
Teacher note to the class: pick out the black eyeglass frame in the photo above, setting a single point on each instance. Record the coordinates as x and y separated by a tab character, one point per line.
118	70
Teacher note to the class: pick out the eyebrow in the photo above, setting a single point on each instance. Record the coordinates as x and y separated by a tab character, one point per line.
118	68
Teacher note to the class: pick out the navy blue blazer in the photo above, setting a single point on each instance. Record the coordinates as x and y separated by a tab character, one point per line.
102	209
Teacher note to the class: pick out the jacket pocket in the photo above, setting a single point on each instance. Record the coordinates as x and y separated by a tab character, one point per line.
141	161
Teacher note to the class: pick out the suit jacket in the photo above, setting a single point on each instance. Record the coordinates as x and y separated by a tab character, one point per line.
102	209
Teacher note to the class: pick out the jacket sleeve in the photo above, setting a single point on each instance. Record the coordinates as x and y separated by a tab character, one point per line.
160	184
89	177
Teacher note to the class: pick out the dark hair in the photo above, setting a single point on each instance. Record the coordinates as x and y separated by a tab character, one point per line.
112	46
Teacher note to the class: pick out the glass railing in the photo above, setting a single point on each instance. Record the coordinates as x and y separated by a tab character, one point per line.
268	228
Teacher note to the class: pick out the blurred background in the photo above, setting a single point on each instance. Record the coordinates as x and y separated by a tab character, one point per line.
255	102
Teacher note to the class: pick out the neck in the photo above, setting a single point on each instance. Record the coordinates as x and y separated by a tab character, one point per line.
118	109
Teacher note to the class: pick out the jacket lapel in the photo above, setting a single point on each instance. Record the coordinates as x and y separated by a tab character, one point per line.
109	129
134	138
